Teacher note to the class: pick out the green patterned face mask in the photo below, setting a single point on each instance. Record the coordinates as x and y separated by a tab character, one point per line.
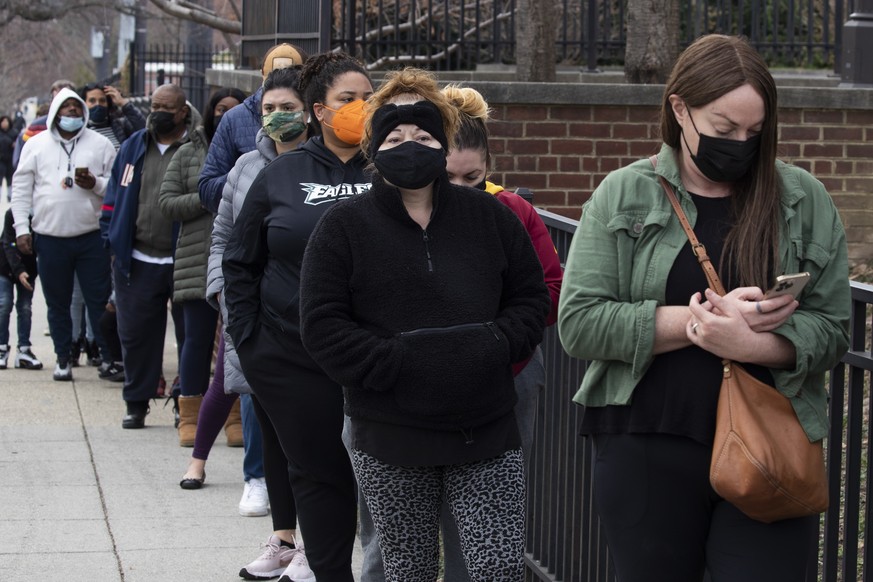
284	126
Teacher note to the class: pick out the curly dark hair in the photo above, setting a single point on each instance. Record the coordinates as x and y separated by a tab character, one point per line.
320	71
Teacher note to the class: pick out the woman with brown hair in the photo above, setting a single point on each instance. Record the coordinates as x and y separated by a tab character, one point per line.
635	302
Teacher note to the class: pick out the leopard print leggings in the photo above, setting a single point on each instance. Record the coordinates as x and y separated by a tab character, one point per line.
487	500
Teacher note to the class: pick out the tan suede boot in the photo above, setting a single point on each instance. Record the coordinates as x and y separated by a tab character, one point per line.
189	409
233	427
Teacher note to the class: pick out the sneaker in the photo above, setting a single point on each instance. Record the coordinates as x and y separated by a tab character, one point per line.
4	357
298	570
92	351
26	359
76	351
254	502
271	563
112	371
63	371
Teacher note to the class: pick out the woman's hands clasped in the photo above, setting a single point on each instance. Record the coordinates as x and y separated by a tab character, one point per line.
734	326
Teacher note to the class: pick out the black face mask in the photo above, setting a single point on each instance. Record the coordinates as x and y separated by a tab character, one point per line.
410	165
724	160
98	114
163	122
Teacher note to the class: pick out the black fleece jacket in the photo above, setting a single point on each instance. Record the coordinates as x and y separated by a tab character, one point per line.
421	325
12	261
261	262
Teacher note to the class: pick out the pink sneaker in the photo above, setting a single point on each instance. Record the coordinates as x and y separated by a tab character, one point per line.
298	570
273	562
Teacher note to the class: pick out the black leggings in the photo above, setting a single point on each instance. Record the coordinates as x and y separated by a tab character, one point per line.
664	522
305	408
282	509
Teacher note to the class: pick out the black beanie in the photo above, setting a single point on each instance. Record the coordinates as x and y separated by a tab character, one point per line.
424	114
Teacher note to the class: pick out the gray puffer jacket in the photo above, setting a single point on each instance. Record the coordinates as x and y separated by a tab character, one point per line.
180	202
247	168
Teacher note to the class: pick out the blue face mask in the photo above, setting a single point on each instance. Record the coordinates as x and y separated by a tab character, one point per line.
71	124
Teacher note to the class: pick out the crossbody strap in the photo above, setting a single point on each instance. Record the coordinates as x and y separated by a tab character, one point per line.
698	249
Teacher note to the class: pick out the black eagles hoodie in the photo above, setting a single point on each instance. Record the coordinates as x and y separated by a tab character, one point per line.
264	254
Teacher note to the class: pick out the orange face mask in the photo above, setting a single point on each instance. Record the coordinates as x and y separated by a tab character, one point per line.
348	123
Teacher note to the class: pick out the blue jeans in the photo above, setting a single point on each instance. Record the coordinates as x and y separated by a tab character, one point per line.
58	260
22	310
77	312
196	359
253	454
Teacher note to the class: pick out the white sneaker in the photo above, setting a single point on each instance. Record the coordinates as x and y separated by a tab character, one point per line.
26	359
271	563
298	570
254	502
63	372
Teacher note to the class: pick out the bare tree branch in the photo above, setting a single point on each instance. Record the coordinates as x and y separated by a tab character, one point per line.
189	11
438	56
45	10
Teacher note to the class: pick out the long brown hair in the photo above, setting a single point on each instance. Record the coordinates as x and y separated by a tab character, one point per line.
712	66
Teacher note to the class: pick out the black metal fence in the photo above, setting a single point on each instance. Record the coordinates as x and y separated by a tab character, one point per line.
154	65
460	34
565	541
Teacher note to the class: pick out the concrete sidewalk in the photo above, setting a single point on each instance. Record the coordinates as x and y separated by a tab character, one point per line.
81	499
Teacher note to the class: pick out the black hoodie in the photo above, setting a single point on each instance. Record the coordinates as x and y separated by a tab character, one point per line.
262	260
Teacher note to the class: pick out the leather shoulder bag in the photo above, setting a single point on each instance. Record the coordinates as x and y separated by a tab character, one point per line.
762	461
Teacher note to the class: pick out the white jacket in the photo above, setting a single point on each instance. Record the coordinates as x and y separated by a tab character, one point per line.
38	184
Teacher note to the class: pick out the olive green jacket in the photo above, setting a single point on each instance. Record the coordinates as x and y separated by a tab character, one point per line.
180	201
616	275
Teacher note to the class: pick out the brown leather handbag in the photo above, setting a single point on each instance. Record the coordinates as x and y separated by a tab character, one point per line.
762	461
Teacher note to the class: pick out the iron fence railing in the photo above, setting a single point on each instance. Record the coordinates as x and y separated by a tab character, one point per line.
565	541
461	34
153	65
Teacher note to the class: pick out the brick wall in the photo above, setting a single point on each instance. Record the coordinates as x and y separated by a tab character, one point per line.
560	139
562	152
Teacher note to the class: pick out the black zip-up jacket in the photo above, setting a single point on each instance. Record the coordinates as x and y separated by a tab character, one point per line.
262	259
421	326
12	261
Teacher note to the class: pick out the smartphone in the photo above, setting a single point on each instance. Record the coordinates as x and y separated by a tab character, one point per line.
788	285
81	171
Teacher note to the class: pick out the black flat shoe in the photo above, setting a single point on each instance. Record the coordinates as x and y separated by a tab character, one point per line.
192	483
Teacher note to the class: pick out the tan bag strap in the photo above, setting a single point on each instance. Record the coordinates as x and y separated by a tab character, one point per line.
698	249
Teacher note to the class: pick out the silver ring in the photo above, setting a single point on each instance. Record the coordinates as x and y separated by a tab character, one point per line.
758	307
694	327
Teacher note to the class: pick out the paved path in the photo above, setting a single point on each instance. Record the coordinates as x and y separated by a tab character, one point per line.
83	500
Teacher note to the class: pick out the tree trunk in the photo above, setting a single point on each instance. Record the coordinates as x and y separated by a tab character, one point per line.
535	34
652	40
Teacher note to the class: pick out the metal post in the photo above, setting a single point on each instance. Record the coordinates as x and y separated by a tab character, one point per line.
858	47
591	33
139	43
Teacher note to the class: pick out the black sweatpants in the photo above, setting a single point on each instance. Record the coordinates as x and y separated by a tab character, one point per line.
305	408
141	309
664	522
